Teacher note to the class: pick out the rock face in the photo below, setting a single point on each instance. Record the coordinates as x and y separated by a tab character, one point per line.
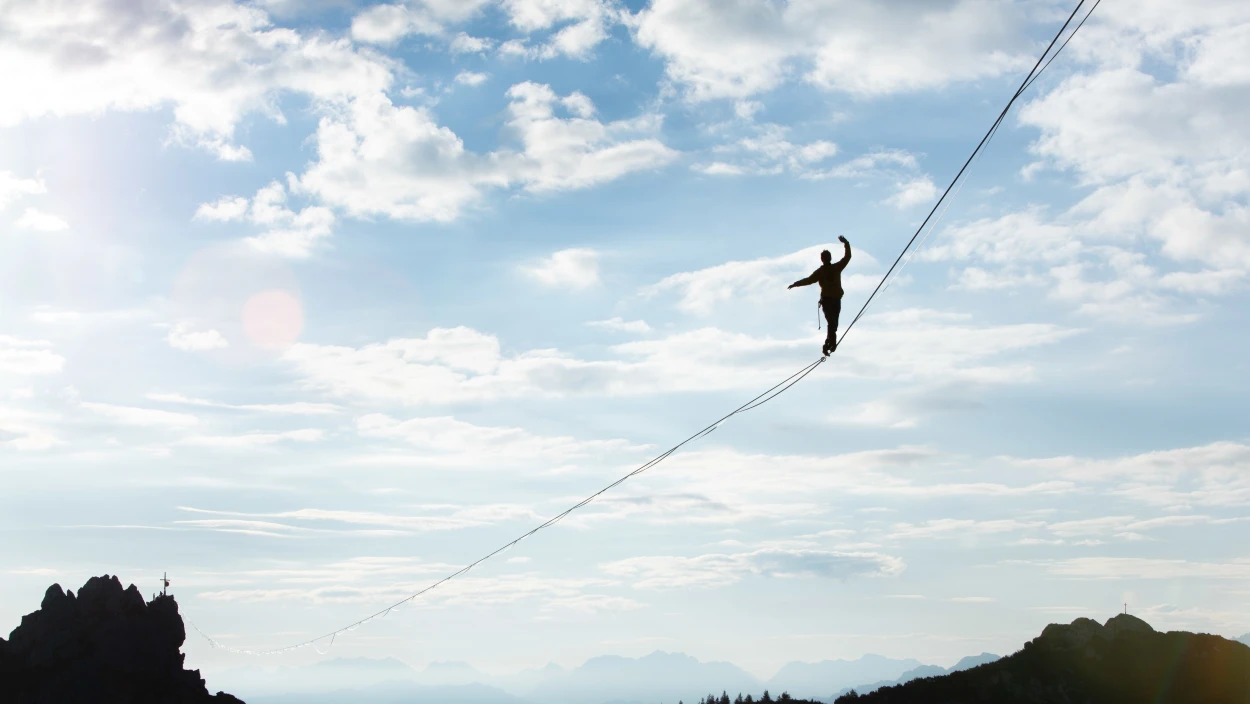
104	646
1124	661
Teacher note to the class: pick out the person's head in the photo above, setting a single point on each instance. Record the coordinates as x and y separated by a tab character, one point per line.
826	257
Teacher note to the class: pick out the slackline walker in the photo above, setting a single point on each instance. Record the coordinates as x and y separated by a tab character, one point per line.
831	343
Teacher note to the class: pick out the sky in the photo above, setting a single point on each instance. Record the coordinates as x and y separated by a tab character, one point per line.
309	304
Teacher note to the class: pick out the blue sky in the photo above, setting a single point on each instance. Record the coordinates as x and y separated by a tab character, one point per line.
309	304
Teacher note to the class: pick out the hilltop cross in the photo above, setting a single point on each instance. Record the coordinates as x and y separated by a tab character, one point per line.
164	583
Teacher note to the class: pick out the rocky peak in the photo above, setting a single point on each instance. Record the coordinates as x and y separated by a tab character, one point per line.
104	645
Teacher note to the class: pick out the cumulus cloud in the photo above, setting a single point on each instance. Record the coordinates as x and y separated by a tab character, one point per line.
386	24
1162	158
700	292
582	24
286	232
212	63
382	159
465	44
920	191
186	338
469	78
768	150
746	47
569	268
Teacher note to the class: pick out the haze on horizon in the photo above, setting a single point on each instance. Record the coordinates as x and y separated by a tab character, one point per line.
309	304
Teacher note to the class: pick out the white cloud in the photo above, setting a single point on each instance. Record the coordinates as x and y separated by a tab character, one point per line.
249	441
1120	568
35	219
1210	475
715	570
184	337
141	417
441	518
766	278
465	44
960	528
1203	282
585	24
28	357
920	191
444	440
880	414
212	63
768	150
26	431
746	47
1164	157
575	269
387	24
224	209
12	188
1020	238
460	364
380	159
469	78
638	327
301	408
288	233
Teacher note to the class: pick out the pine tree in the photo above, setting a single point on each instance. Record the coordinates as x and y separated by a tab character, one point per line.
766	699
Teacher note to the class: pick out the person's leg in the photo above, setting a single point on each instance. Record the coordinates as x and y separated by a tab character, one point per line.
832	308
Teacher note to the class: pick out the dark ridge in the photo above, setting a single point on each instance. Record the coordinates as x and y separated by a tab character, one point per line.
1123	662
103	646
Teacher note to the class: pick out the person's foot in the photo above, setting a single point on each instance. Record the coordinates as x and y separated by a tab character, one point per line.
824	350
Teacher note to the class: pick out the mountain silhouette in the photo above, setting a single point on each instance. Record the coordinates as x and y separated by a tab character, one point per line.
1124	661
916	673
104	645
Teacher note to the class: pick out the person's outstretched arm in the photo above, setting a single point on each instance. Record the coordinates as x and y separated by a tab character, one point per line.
846	258
805	282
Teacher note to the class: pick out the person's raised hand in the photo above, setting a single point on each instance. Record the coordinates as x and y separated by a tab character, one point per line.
842	239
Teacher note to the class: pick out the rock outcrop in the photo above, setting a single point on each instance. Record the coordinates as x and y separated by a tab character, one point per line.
1124	661
104	645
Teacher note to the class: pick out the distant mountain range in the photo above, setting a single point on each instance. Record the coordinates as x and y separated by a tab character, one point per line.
1123	661
652	679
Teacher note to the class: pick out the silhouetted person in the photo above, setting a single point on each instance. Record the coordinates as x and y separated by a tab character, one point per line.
829	276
